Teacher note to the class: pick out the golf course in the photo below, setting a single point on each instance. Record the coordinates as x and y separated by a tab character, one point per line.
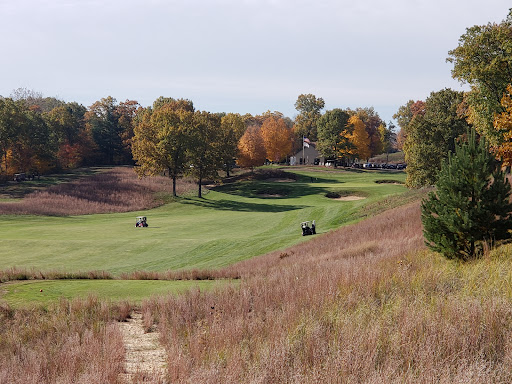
234	221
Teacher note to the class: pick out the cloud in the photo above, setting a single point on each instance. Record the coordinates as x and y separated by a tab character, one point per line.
246	53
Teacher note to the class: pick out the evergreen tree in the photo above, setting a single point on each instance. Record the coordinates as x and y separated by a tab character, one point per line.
470	205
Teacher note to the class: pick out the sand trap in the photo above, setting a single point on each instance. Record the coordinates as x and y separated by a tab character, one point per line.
349	198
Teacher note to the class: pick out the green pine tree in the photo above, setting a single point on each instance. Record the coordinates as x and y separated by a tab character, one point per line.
470	205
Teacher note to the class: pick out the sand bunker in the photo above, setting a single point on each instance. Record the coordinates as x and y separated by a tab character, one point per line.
349	198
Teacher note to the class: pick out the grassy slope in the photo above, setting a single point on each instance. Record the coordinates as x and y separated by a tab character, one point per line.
230	224
28	292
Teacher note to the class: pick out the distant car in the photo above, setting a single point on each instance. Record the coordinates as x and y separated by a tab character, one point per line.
20	177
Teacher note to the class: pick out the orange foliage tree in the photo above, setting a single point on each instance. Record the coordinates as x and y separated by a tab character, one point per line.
251	149
277	138
503	124
359	138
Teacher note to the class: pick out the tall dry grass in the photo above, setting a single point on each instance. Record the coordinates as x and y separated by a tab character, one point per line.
20	274
363	304
71	342
116	190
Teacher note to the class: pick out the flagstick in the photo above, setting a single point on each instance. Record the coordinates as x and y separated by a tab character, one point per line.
303	158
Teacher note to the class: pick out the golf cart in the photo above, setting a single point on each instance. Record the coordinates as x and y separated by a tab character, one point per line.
308	228
141	221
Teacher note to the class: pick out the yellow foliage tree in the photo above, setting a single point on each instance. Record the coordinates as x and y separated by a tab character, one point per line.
277	138
251	150
160	142
232	129
359	138
503	124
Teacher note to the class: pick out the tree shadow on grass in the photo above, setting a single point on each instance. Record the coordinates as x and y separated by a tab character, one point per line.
229	205
313	178
270	190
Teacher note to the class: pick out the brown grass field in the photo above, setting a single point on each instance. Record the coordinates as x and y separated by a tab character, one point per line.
115	190
366	303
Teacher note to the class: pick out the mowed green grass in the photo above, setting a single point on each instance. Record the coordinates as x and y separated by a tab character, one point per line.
231	223
44	292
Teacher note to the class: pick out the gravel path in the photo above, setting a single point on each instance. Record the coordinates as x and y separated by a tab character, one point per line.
145	357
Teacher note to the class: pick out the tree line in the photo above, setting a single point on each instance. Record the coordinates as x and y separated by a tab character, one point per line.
42	134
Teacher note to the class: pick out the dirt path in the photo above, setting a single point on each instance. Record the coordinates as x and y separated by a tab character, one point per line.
145	357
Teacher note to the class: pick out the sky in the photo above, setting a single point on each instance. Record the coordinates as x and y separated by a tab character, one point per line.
243	56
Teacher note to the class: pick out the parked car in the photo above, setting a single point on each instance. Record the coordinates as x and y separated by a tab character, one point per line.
20	177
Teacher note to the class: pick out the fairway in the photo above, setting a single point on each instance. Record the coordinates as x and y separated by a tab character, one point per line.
48	291
232	222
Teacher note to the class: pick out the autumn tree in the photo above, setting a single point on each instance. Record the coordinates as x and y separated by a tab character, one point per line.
11	122
404	116
183	104
334	135
68	135
251	149
109	122
309	108
250	120
30	148
125	113
371	121
204	152
232	129
387	138
161	140
503	126
359	138
432	136
483	59
277	138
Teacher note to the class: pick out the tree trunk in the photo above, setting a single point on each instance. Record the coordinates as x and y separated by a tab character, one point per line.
174	185
199	194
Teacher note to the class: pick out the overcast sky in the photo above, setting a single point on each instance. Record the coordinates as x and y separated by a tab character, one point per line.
245	56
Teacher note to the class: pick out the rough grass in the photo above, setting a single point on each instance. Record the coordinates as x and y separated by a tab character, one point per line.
72	342
114	190
21	274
